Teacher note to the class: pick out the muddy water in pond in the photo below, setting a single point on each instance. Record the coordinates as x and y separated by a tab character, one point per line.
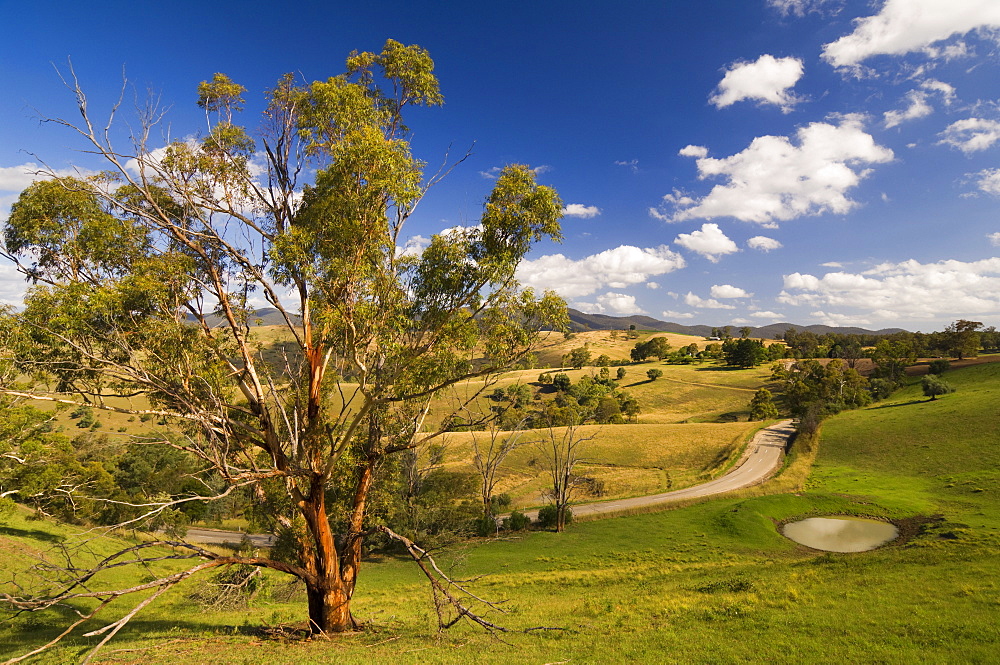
840	534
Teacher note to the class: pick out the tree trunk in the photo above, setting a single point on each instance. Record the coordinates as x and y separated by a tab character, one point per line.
329	595
330	607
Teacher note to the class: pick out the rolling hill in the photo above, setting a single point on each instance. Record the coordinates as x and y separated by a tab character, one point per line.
581	321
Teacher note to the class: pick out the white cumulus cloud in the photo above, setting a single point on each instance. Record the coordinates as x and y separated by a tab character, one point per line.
763	243
905	26
414	246
994	239
692	300
728	291
580	210
14	179
670	314
776	180
710	242
619	303
616	268
12	286
769	80
971	134
767	314
989	181
918	104
893	292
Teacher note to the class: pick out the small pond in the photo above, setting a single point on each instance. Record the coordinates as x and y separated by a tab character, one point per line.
840	534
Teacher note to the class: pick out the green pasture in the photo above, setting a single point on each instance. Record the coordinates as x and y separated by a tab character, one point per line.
712	582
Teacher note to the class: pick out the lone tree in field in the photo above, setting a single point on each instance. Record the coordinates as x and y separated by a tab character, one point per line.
561	450
933	386
144	278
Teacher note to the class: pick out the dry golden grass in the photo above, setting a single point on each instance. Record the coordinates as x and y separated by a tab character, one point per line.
631	460
614	343
691	425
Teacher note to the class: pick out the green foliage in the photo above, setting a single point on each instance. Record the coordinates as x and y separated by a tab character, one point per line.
933	386
891	358
744	352
561	382
517	521
939	366
41	468
963	338
762	406
657	347
577	358
548	516
815	390
485	525
654	374
607	410
143	280
620	374
221	95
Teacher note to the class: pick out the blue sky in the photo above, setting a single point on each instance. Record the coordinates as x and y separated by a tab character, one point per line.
722	161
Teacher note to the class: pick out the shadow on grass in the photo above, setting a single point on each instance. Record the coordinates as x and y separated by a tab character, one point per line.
721	368
25	635
33	534
893	406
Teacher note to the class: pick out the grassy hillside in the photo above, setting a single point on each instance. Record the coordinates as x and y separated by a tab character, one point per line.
709	583
629	460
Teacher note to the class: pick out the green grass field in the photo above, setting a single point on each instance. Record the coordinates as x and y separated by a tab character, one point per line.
708	583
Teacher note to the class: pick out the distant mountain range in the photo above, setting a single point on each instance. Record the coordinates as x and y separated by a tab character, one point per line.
581	322
267	316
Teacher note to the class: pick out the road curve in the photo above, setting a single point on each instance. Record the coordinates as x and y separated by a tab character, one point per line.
220	537
763	457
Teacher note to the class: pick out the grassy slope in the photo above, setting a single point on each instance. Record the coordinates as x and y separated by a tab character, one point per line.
709	583
682	436
715	583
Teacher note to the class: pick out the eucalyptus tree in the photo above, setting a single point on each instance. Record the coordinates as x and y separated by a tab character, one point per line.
146	275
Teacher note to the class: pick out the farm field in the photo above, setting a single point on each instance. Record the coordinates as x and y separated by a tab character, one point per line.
712	582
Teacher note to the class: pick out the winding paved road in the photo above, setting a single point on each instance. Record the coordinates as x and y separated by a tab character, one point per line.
762	458
220	537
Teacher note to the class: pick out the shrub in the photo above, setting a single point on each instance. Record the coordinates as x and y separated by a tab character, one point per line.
486	526
517	521
561	381
548	516
939	366
654	374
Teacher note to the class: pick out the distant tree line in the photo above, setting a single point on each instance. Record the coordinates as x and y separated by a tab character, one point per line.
962	339
812	390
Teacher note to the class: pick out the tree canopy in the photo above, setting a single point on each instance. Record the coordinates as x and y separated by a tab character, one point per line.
145	279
